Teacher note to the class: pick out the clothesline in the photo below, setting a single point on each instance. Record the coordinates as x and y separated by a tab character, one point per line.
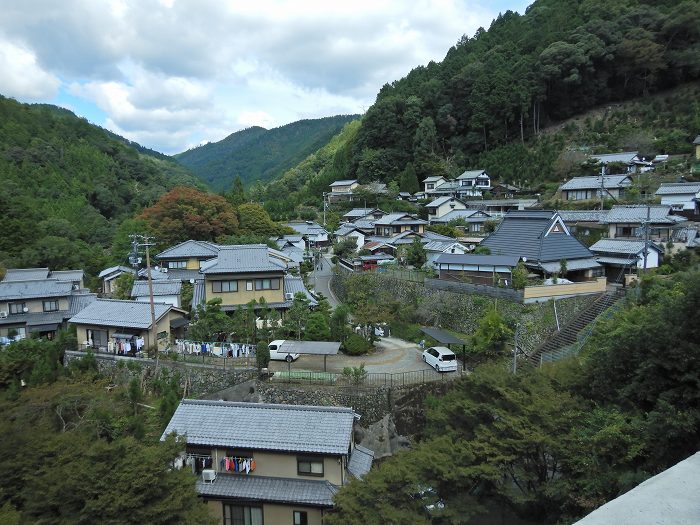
185	346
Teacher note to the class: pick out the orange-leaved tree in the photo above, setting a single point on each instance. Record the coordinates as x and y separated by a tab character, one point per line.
186	213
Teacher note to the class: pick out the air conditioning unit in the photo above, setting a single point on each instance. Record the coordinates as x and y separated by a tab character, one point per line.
288	296
3	315
25	309
164	270
208	475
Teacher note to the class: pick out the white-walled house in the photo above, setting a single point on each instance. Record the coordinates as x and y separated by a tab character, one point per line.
164	291
622	256
473	183
442	206
682	196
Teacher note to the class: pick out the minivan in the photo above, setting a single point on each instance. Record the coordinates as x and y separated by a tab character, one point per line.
440	358
278	354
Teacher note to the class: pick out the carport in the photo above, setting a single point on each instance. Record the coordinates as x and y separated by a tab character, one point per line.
447	339
324	348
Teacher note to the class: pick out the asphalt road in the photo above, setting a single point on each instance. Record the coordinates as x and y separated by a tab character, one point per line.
320	280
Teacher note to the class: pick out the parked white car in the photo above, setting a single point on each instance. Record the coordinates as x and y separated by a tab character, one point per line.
277	352
440	358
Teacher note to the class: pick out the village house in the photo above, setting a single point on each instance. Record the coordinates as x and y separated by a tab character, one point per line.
473	183
399	222
584	222
504	191
499	207
110	275
184	260
622	257
40	301
628	159
262	463
588	188
164	291
436	248
242	273
628	222
342	190
349	230
542	240
443	205
683	197
363	213
473	220
109	325
490	270
314	234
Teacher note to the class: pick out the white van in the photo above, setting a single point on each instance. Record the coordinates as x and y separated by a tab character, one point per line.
278	354
440	358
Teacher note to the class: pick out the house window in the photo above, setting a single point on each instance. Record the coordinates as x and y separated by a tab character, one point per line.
50	306
267	284
476	227
17	308
310	466
242	515
301	518
224	286
249	286
626	231
177	264
430	186
99	339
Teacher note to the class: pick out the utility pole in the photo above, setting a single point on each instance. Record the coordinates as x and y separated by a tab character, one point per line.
147	241
515	349
646	224
325	207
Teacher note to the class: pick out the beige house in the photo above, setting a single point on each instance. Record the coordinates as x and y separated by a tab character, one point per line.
342	190
242	273
442	206
108	324
395	223
630	222
261	463
36	300
184	260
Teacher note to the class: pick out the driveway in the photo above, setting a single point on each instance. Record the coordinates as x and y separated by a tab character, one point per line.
391	355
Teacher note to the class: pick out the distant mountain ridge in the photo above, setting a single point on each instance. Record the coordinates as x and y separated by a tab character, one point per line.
258	154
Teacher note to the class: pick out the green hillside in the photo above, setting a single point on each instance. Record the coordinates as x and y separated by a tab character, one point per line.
67	185
257	154
504	85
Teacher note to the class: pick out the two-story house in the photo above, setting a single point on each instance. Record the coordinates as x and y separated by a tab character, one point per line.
242	273
683	197
108	325
587	188
431	183
164	291
630	222
395	223
184	260
110	275
472	221
361	213
628	159
473	183
623	256
36	300
442	206
261	463
314	233
341	190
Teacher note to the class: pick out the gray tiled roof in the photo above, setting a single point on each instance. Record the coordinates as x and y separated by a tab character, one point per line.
466	215
115	269
190	248
624	156
243	259
35	289
441	200
486	260
261	426
582	215
638	213
359	212
269	489
450	185
123	314
395	218
432	179
697	140
678	188
620	246
156	275
25	274
365	224
346	182
522	234
471	174
198	293
360	461
294	284
307	228
183	274
571	265
35	318
78	302
140	288
482	203
441	246
345	228
593	183
67	275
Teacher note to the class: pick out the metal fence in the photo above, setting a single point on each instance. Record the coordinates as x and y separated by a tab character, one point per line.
404	275
368	379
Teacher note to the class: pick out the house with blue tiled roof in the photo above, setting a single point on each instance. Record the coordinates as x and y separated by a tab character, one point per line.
267	463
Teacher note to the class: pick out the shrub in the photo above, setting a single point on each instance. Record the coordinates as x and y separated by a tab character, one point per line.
262	356
356	345
356	375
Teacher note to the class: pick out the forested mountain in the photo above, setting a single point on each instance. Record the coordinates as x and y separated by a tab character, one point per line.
67	185
503	86
258	154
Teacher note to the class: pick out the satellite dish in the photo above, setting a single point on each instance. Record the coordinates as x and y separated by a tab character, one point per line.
25	309
191	281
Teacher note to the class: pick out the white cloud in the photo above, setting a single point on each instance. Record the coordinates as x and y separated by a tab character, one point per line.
173	73
22	77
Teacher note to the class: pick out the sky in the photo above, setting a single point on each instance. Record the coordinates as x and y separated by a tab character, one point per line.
173	74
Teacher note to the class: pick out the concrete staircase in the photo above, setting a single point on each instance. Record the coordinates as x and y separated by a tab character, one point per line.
569	334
